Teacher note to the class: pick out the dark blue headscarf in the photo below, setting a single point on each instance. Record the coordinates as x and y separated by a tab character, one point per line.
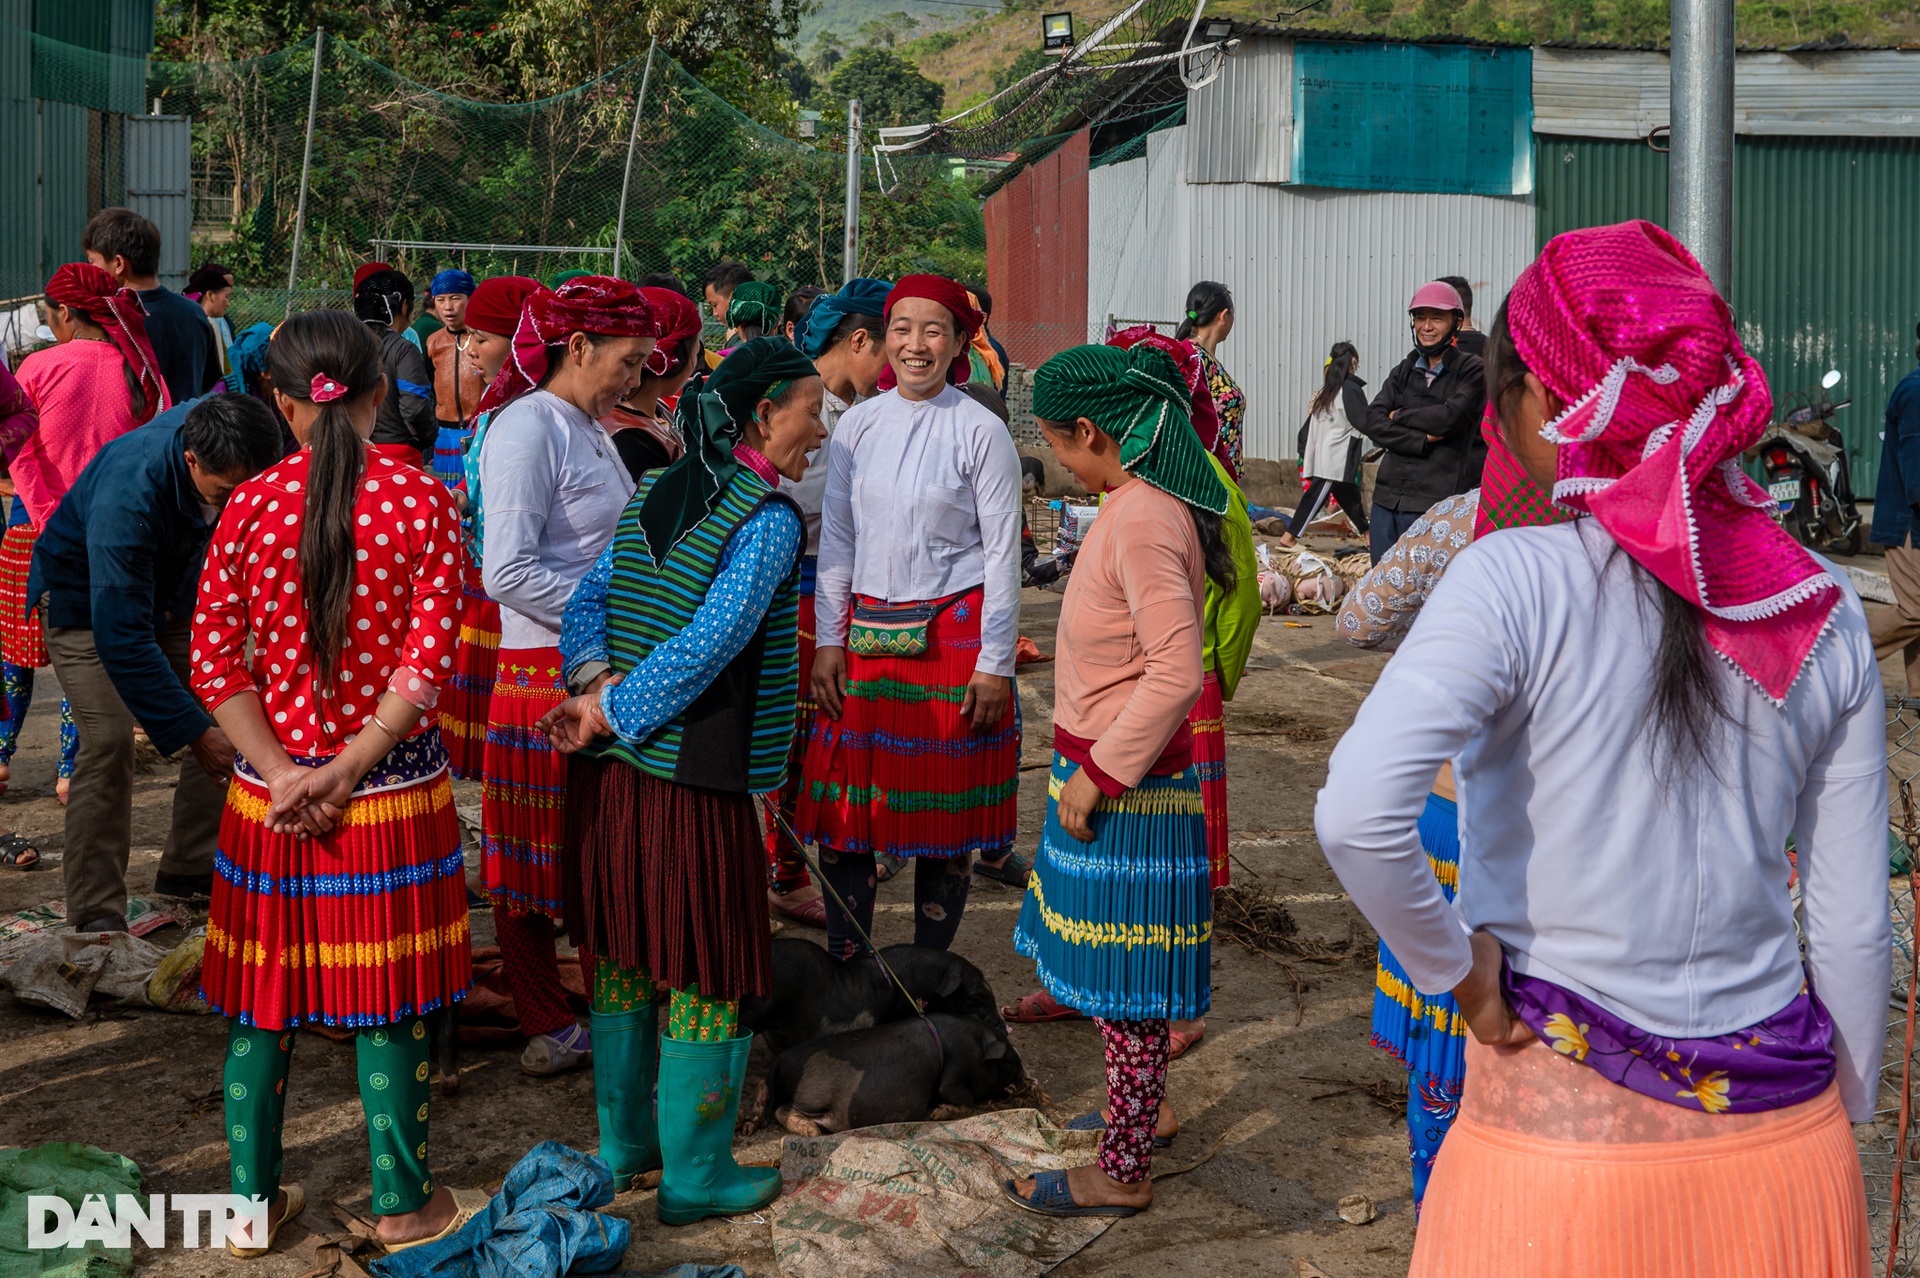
856	297
451	281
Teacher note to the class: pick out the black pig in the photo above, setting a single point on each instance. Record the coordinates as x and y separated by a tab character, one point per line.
899	1073
815	994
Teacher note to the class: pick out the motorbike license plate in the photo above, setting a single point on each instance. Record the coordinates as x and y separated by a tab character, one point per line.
1784	489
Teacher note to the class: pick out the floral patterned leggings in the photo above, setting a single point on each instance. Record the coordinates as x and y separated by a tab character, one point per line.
1136	1084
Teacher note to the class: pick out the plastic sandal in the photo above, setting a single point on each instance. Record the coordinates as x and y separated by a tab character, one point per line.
1051	1197
1178	1043
810	913
296	1203
1037	1009
467	1203
1013	870
13	847
1095	1123
546	1055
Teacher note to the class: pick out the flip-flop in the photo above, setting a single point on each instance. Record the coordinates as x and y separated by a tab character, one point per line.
1178	1043
467	1203
1094	1123
296	1203
12	847
1037	1009
1014	869
1051	1197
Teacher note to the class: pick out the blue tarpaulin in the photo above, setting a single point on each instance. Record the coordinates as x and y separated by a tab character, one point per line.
1413	117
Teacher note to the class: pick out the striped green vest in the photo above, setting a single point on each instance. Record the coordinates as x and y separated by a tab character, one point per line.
738	732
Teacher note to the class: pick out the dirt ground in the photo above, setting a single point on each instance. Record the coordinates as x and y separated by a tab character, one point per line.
1276	1090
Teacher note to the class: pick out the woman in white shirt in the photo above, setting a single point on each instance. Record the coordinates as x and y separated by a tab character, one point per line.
1330	453
915	751
554	487
1643	707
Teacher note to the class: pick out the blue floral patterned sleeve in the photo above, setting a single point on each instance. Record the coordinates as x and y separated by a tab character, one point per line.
758	557
583	622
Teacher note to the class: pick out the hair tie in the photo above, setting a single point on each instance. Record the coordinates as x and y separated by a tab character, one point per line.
324	390
1193	315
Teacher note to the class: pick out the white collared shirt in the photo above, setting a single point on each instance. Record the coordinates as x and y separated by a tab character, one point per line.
554	489
922	501
809	492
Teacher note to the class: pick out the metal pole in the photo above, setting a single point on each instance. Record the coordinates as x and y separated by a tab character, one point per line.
633	140
852	251
306	164
1700	164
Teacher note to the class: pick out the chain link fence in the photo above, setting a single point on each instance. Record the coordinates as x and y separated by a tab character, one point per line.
425	180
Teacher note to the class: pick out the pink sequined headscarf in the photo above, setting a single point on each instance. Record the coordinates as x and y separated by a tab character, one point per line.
1620	323
1205	418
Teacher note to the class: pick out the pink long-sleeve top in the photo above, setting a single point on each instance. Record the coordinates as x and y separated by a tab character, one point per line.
18	415
1130	639
80	389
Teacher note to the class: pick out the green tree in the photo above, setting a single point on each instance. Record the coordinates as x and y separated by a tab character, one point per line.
1029	61
891	90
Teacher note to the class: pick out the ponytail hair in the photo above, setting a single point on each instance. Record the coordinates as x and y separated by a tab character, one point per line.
332	345
1205	302
379	298
1340	362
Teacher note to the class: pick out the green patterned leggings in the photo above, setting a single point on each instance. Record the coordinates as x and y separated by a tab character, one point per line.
691	1016
394	1093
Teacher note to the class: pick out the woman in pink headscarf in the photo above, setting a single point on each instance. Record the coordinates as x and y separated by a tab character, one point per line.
1643	706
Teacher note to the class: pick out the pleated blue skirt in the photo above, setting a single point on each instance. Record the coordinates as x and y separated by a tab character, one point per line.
1122	927
1424	1032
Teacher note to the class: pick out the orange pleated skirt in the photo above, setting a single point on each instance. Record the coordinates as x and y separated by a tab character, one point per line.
1552	1169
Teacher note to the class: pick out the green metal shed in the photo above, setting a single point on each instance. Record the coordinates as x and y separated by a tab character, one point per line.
1826	256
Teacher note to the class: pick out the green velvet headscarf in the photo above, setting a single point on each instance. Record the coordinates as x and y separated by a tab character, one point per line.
1139	399
712	416
755	302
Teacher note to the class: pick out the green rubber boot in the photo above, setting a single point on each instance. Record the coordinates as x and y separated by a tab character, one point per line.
626	1060
699	1101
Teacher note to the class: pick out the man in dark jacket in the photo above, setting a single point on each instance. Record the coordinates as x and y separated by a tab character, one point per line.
383	300
116	569
1427	417
127	247
1896	507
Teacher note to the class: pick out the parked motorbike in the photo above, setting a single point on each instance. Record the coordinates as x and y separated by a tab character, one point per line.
1805	462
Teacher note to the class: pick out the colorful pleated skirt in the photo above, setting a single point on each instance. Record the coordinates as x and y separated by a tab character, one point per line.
21	641
901	772
667	877
468	696
1552	1168
1208	721
1122	927
523	798
1424	1032
365	925
450	453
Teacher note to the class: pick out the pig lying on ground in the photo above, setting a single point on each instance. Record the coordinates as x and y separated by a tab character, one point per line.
899	1073
815	994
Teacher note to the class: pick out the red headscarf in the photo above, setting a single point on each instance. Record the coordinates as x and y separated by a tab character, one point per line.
596	304
677	319
495	304
360	276
85	287
1206	421
937	288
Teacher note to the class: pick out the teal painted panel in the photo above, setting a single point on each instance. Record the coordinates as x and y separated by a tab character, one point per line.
1413	117
1826	263
63	184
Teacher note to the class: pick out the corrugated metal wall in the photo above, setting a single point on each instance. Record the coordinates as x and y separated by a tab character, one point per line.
1624	94
1037	255
159	186
1826	256
19	231
1240	127
1307	266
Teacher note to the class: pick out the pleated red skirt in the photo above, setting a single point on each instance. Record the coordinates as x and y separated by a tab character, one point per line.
468	696
21	640
1208	721
366	925
667	877
523	801
900	771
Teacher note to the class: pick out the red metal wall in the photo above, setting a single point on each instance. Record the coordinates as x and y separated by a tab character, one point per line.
1037	255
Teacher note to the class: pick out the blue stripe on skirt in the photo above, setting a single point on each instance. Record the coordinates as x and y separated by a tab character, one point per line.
1122	927
449	454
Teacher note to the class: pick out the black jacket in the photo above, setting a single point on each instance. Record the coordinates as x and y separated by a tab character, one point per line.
1418	471
406	415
